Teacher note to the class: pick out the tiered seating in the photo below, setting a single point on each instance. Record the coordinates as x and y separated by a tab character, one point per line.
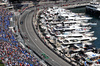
11	52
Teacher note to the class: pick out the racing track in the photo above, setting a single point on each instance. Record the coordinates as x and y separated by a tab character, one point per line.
35	43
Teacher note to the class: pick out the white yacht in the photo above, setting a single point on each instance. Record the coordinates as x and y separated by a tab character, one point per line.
69	38
74	17
70	41
70	34
76	40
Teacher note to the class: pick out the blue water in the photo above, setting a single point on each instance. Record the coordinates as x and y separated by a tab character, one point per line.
97	31
95	28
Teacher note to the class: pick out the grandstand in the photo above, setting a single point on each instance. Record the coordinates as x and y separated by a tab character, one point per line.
11	52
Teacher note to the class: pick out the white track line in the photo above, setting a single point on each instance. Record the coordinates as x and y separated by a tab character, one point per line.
35	43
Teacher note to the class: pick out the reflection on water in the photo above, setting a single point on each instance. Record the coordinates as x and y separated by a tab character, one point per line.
97	31
95	28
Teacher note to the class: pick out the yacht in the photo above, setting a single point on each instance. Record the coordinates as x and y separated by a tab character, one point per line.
76	40
93	9
73	34
92	58
66	16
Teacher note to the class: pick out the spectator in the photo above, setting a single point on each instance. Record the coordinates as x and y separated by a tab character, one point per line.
11	52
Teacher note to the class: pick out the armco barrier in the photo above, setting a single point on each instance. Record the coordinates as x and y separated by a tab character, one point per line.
38	55
23	38
48	46
45	43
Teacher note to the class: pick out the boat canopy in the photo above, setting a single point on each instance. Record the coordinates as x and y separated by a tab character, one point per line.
91	54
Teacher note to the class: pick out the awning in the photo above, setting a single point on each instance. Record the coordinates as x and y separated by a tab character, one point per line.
98	60
91	54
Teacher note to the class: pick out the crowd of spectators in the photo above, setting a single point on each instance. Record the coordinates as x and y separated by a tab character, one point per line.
11	52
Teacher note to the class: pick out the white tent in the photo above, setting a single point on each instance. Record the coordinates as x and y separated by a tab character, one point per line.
91	54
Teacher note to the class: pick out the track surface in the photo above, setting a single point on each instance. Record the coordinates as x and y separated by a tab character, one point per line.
35	43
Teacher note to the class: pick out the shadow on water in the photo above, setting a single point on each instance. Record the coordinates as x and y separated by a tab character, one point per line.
95	28
78	10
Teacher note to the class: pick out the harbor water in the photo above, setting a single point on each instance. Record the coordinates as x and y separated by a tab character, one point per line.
95	28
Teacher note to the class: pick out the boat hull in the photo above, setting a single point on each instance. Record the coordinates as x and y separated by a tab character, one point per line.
92	12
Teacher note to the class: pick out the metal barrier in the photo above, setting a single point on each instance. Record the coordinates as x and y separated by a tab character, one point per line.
43	41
